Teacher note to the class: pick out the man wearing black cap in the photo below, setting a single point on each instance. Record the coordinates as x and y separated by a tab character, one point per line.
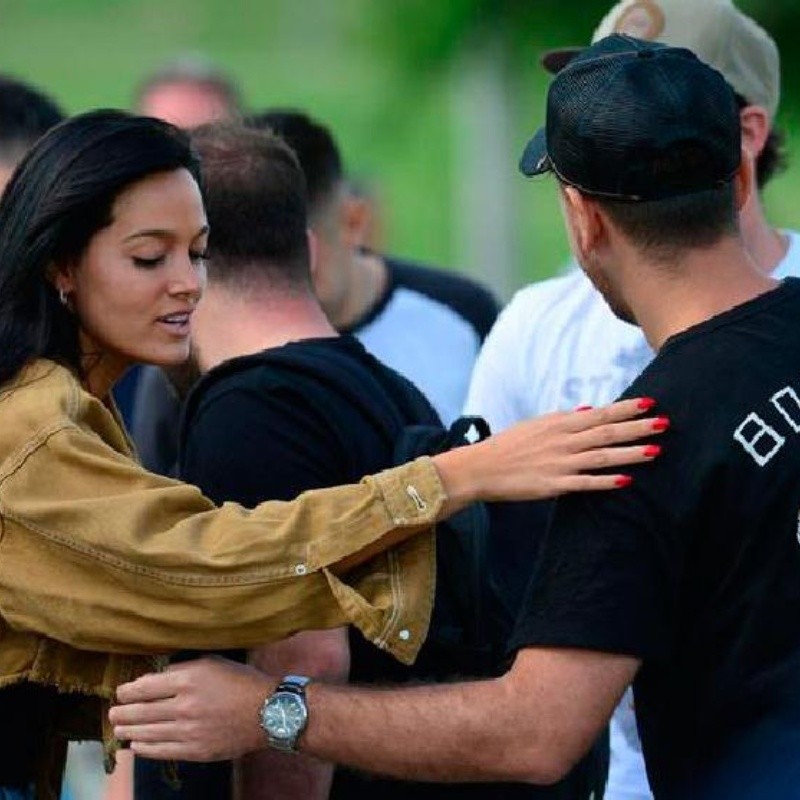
687	583
557	345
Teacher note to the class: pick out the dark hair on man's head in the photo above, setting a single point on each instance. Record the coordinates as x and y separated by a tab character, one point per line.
25	115
257	207
61	194
193	70
663	229
314	145
772	159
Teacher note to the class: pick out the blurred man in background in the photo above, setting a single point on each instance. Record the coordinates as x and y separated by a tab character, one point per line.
557	345
187	92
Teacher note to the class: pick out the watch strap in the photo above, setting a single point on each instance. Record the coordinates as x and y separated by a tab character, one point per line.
293	683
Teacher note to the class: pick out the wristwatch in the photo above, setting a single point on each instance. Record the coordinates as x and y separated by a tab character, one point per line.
284	714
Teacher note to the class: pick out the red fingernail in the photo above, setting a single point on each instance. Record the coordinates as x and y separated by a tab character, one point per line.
646	403
651	451
584	408
660	423
622	481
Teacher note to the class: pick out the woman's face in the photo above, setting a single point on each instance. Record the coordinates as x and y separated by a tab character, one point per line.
135	287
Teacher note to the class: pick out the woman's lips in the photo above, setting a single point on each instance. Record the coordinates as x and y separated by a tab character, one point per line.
177	323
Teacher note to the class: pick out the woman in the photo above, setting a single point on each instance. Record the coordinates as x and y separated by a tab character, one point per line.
102	239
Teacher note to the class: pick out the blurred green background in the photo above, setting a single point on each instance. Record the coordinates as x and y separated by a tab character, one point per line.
431	100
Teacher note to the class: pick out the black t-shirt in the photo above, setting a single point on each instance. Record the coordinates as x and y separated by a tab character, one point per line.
695	568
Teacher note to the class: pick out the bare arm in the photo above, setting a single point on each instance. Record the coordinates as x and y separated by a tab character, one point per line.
267	773
532	724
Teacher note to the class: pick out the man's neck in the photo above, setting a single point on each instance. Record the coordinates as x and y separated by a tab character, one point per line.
231	323
706	282
767	245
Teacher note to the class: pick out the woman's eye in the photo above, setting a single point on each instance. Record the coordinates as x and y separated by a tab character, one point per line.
141	261
198	258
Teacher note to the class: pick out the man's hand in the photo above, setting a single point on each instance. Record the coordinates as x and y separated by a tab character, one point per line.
551	455
203	710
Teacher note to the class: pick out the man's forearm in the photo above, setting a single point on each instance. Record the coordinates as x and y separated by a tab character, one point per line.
410	738
533	724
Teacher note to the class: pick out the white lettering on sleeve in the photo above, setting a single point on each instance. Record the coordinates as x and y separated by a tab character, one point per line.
788	404
751	441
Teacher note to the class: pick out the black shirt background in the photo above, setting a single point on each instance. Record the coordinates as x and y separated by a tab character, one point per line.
695	568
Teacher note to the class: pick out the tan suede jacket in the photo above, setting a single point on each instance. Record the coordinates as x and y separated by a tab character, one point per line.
103	563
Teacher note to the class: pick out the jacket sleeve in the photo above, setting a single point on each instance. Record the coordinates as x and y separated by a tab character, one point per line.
100	554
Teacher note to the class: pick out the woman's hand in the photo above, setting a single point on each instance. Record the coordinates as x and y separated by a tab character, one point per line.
551	455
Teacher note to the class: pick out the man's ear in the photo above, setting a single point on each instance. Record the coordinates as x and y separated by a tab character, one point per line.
755	129
355	220
744	180
584	222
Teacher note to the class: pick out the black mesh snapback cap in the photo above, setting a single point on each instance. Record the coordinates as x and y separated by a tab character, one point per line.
637	120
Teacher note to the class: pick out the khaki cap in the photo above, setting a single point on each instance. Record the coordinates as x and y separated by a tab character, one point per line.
715	30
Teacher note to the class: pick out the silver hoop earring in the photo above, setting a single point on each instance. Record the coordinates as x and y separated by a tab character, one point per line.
62	297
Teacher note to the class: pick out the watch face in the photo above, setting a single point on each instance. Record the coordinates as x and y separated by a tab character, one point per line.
284	715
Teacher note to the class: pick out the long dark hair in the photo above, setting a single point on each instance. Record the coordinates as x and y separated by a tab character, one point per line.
60	195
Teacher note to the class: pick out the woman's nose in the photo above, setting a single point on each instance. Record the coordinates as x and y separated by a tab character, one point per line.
189	279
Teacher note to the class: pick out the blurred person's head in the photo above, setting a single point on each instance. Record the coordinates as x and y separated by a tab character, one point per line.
724	38
334	215
260	255
102	244
188	92
25	115
645	142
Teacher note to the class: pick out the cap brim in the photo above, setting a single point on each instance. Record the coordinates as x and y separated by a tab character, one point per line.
535	160
555	60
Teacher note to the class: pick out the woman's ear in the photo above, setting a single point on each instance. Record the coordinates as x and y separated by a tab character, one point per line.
63	279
